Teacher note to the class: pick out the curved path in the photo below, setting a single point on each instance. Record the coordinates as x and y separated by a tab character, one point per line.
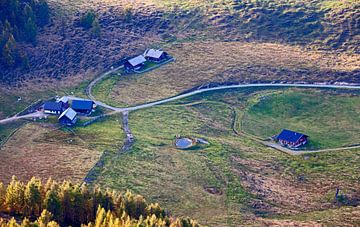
147	105
102	76
151	104
31	115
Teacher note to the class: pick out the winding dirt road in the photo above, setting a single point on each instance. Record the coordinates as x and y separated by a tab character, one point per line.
125	111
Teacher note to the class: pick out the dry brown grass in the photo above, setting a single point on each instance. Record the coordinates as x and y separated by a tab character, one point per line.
279	194
202	62
43	151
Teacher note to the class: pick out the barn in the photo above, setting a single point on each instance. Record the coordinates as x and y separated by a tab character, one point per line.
53	107
291	139
155	55
64	101
68	117
135	63
82	106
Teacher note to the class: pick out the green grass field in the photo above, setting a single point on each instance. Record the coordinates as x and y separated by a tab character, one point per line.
240	168
330	119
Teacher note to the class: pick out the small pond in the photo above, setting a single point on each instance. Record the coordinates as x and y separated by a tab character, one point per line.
183	143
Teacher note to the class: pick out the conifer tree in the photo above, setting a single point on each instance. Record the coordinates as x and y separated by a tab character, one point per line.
2	196
30	30
44	219
65	198
25	222
95	28
12	223
52	202
32	198
9	52
42	12
14	199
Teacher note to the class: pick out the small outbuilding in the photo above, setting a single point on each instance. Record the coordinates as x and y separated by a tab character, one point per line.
64	101
82	106
68	117
291	139
135	63
53	107
155	55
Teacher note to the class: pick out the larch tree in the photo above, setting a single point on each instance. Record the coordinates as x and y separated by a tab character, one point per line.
14	199
32	198
2	195
52	202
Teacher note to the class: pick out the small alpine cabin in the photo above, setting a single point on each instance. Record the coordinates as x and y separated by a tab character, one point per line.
68	117
53	107
291	139
64	101
82	106
155	55
135	63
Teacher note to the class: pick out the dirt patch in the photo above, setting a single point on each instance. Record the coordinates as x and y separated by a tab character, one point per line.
44	151
277	193
288	223
213	190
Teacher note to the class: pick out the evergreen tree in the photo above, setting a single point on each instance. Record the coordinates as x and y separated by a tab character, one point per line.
12	223
52	202
44	219
14	199
25	223
30	30
95	28
2	196
42	12
28	13
9	52
87	19
32	198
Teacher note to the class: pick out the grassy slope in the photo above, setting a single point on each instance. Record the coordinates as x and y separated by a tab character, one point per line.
203	62
330	120
324	23
73	152
243	170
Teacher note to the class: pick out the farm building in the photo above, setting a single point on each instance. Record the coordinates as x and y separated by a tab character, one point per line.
68	117
53	107
64	101
155	55
135	63
82	106
291	139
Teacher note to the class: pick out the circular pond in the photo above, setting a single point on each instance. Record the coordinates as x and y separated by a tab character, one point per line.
183	143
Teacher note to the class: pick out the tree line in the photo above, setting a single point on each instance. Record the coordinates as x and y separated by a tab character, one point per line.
19	21
59	204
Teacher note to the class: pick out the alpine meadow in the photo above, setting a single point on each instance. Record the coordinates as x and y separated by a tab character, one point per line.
124	113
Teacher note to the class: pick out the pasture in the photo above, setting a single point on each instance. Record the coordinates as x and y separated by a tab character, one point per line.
330	118
203	62
45	150
234	179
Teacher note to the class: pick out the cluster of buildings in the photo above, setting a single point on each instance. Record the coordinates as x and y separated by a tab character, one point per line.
150	55
68	113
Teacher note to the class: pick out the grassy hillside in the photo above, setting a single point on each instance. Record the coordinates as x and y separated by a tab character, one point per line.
128	27
199	63
330	119
234	179
45	150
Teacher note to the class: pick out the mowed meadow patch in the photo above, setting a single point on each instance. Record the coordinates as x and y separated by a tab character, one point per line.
330	119
45	150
